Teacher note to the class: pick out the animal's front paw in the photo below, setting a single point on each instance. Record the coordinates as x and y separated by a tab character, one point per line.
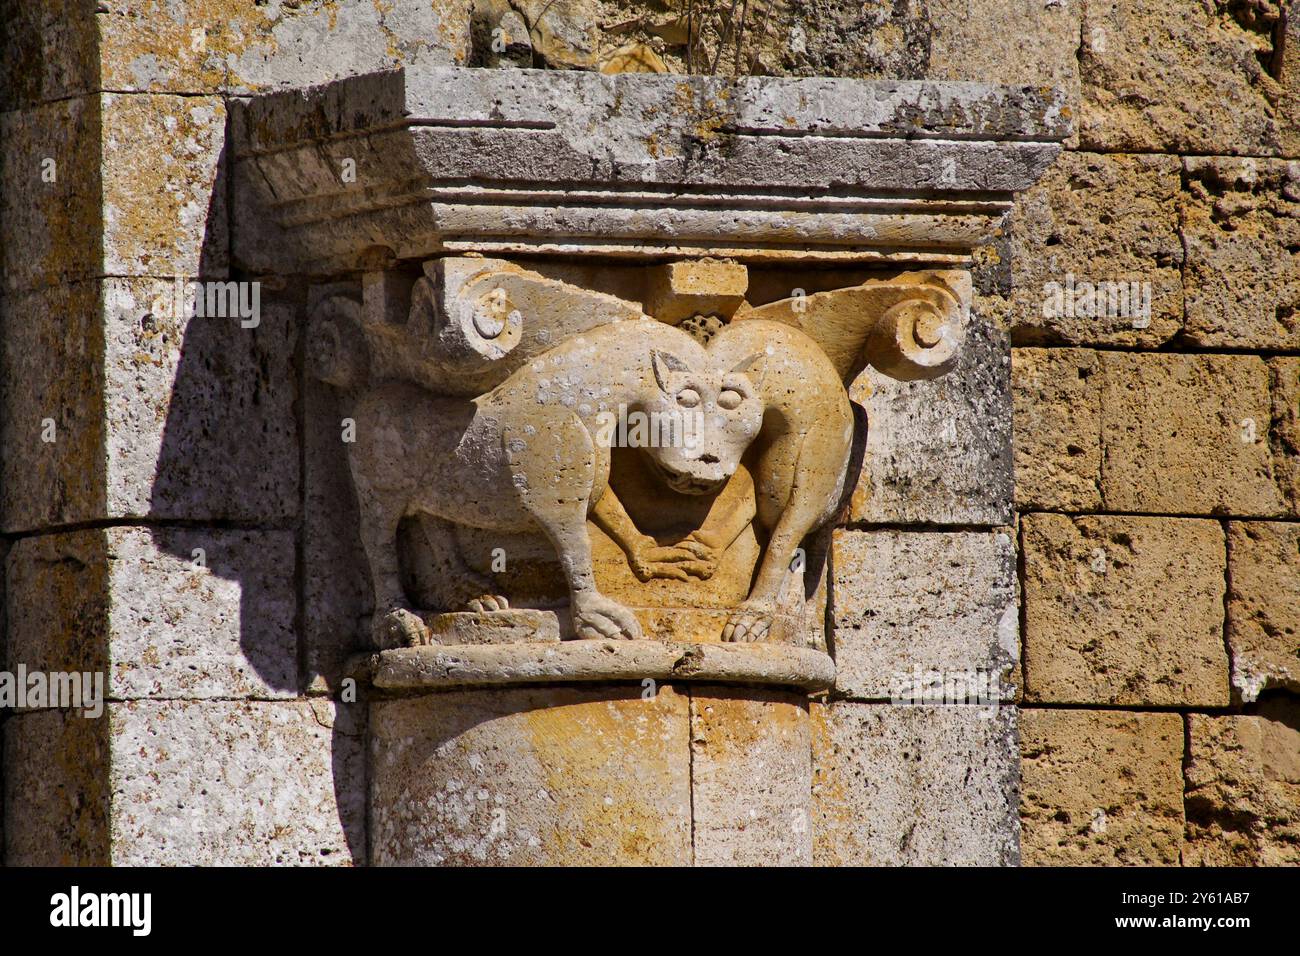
596	616
398	627
707	549
678	562
752	621
487	602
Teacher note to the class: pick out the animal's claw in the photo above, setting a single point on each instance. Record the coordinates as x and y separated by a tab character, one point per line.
751	621
485	603
596	616
399	627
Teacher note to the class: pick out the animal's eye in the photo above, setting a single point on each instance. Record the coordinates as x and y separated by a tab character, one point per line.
688	398
730	398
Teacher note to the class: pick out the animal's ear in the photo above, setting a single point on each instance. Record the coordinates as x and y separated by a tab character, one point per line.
754	366
664	363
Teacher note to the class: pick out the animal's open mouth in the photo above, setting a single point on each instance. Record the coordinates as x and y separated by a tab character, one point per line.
685	484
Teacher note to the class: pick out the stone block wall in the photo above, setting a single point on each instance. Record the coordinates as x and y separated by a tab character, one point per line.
1155	454
1101	505
156	536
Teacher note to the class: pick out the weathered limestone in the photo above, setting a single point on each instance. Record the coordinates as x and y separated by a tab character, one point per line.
909	327
1289	71
1191	434
887	40
474	386
1162	75
1188	434
505	33
469	395
47	52
50	193
1284	435
1057	428
1240	224
164	613
1096	256
157	47
238	46
1017	41
940	453
148	412
57	603
185	782
91	430
66	48
1124	611
57	798
532	776
166	216
567	33
626	773
751	777
1243	788
485	665
897	786
1100	788
75	185
495	464
200	410
700	136
337	594
679	290
42	481
250	783
199	613
1264	606
909	600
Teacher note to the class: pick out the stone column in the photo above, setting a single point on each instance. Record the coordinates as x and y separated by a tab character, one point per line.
630	753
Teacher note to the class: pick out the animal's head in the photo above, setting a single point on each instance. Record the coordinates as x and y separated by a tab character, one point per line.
706	416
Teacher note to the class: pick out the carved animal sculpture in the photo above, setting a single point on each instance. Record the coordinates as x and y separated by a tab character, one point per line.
801	466
909	328
524	456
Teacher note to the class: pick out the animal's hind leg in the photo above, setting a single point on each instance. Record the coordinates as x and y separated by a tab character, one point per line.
818	484
458	585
